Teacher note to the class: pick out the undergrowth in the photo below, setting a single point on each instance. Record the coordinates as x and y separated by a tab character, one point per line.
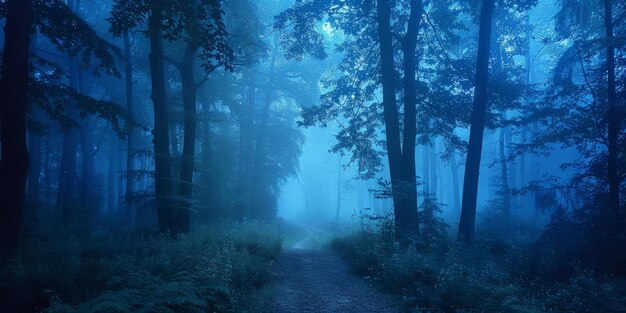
445	275
216	268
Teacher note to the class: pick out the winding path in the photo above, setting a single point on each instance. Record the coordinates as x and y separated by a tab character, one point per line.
318	281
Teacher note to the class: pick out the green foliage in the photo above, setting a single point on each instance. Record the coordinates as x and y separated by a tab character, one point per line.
67	33
460	278
214	268
350	92
198	23
54	99
70	34
573	112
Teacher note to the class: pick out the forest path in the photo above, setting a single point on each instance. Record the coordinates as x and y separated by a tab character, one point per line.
310	280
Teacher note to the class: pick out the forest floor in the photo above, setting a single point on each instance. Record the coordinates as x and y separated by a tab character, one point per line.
310	278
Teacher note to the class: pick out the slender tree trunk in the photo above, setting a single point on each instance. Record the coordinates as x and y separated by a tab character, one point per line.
455	184
34	172
433	168
392	124
527	73
87	182
46	171
111	180
409	47
68	177
258	159
183	214
472	165
121	181
162	168
245	149
173	134
613	114
132	134
14	93
173	122
504	176
88	157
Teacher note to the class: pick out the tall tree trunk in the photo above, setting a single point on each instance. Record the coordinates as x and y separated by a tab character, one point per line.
258	159
409	47
87	182
455	184
183	214
46	172
504	177
132	134
613	118
392	124
172	124
425	170
472	165
433	167
121	181
162	169
33	193
14	93
111	179
521	176
245	149
68	177
34	172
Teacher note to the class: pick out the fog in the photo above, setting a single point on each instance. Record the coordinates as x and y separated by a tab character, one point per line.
326	155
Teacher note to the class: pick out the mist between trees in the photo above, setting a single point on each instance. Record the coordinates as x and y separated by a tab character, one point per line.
409	130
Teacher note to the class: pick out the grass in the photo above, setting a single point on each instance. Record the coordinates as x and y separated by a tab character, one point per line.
218	268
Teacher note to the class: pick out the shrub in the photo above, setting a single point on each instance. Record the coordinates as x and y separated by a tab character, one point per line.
213	268
473	279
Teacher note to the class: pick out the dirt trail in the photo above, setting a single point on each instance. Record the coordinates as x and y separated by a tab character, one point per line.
318	281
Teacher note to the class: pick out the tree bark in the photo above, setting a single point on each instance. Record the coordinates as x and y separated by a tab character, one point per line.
46	172
162	168
132	134
472	165
409	47
68	177
432	155
455	184
14	93
245	149
392	132
504	176
87	182
613	114
111	179
183	214
34	172
258	159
